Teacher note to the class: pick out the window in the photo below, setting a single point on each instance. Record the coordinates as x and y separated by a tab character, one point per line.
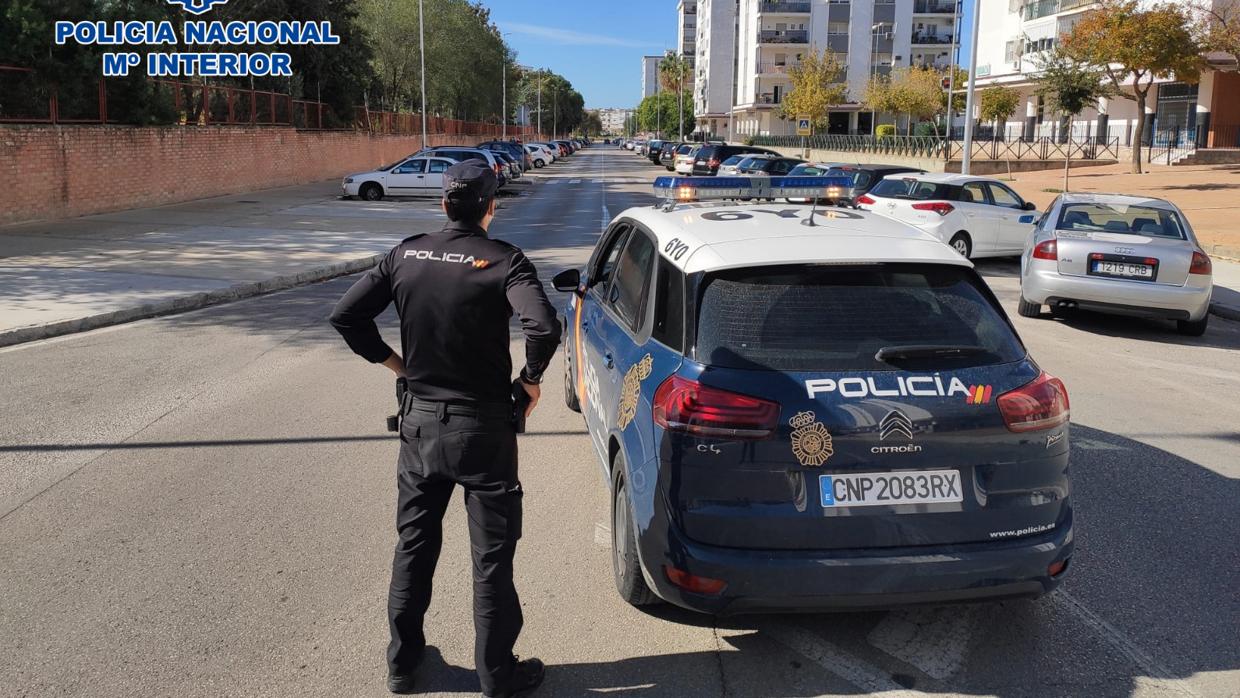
438	166
607	256
912	189
416	166
1002	196
628	290
1120	218
814	318
973	193
669	306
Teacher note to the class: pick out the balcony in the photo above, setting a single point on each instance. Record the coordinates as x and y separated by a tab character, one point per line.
783	36
934	7
920	38
767	99
1045	8
774	69
783	7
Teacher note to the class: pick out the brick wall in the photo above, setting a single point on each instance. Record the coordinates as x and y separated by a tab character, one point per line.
59	171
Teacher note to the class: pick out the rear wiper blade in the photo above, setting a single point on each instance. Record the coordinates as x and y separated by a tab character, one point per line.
927	351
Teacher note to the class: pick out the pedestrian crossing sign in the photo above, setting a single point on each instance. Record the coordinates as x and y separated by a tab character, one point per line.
803	126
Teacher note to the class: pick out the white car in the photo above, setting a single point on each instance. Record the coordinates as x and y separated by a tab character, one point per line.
728	167
683	164
541	157
421	175
551	152
977	216
1125	255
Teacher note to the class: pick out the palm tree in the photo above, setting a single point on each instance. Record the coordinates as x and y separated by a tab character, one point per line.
674	72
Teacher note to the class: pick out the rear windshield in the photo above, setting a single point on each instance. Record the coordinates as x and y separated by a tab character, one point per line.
900	188
806	171
836	318
734	160
684	149
1118	218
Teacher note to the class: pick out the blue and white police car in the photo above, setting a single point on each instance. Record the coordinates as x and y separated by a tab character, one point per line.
802	409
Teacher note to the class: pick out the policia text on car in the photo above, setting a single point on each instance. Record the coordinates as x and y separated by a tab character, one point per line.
455	292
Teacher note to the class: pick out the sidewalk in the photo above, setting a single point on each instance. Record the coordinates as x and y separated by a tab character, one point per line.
64	276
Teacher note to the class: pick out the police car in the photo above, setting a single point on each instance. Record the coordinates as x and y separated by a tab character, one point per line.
800	408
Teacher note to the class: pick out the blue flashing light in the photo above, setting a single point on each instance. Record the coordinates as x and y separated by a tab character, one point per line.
689	189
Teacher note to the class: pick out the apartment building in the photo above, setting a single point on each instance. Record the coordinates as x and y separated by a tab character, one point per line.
613	119
1014	33
714	71
686	29
868	37
650	75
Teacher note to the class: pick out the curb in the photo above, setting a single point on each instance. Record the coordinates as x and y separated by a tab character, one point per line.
189	302
1227	312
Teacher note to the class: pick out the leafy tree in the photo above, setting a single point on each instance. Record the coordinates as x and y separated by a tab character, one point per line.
878	98
592	124
917	92
997	104
1069	86
1219	25
675	73
816	87
1127	39
659	110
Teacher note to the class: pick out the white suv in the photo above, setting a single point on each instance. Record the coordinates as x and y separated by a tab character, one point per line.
977	216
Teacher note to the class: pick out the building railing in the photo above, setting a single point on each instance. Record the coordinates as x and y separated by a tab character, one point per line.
919	38
773	68
933	7
940	148
783	36
784	6
1045	8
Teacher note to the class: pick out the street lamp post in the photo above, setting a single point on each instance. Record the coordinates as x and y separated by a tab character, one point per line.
952	60
422	60
540	103
968	108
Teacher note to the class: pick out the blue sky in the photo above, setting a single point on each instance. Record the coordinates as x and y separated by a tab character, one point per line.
598	45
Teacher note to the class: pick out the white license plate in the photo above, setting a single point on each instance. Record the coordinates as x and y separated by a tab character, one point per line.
1140	271
889	489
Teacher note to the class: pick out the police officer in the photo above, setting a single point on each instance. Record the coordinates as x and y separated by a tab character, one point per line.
455	292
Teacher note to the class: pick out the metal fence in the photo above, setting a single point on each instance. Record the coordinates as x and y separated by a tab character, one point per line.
932	147
24	99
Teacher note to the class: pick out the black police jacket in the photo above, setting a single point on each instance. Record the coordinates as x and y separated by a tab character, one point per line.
455	292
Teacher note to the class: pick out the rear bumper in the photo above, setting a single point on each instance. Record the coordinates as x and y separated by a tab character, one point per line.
1041	283
776	580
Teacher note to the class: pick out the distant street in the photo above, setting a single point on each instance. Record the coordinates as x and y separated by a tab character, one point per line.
203	504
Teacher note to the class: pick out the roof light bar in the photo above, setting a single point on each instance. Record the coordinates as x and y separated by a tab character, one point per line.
688	189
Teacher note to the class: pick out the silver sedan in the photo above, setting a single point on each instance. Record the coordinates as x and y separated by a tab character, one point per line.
1125	255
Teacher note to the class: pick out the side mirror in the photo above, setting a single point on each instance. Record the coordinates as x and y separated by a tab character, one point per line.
567	281
1030	206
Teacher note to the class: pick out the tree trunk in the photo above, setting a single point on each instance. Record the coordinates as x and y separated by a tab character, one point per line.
1140	138
1067	164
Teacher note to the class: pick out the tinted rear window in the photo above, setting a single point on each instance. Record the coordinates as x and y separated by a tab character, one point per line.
836	318
1118	218
900	188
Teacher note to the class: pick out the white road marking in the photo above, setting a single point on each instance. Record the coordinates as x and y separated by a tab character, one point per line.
574	181
934	640
602	535
1160	678
829	656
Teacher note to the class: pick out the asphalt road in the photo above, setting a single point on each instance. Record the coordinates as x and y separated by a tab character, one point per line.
202	505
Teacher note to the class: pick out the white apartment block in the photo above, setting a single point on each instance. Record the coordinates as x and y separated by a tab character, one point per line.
869	37
613	119
714	73
650	75
1014	33
686	29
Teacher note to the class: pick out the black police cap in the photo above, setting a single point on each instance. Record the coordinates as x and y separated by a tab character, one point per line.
472	179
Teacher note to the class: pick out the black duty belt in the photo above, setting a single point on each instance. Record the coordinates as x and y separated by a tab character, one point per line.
481	410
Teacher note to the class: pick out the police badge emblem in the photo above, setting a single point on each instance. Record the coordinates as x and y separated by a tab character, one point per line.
811	442
631	390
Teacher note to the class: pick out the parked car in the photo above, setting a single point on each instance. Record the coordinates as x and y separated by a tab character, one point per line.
768	166
711	156
514	168
685	160
540	157
667	154
866	177
819	169
421	175
652	148
977	216
1125	255
461	153
727	168
514	149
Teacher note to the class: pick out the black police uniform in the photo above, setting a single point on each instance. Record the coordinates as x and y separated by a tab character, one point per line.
455	292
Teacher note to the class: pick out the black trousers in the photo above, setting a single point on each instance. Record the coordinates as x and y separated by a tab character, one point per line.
475	447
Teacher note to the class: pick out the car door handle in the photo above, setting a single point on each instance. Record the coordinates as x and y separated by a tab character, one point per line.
585	325
607	360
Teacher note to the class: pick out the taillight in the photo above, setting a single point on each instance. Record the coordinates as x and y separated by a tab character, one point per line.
1046	250
685	405
1041	404
863	199
713	163
1201	264
940	207
692	582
